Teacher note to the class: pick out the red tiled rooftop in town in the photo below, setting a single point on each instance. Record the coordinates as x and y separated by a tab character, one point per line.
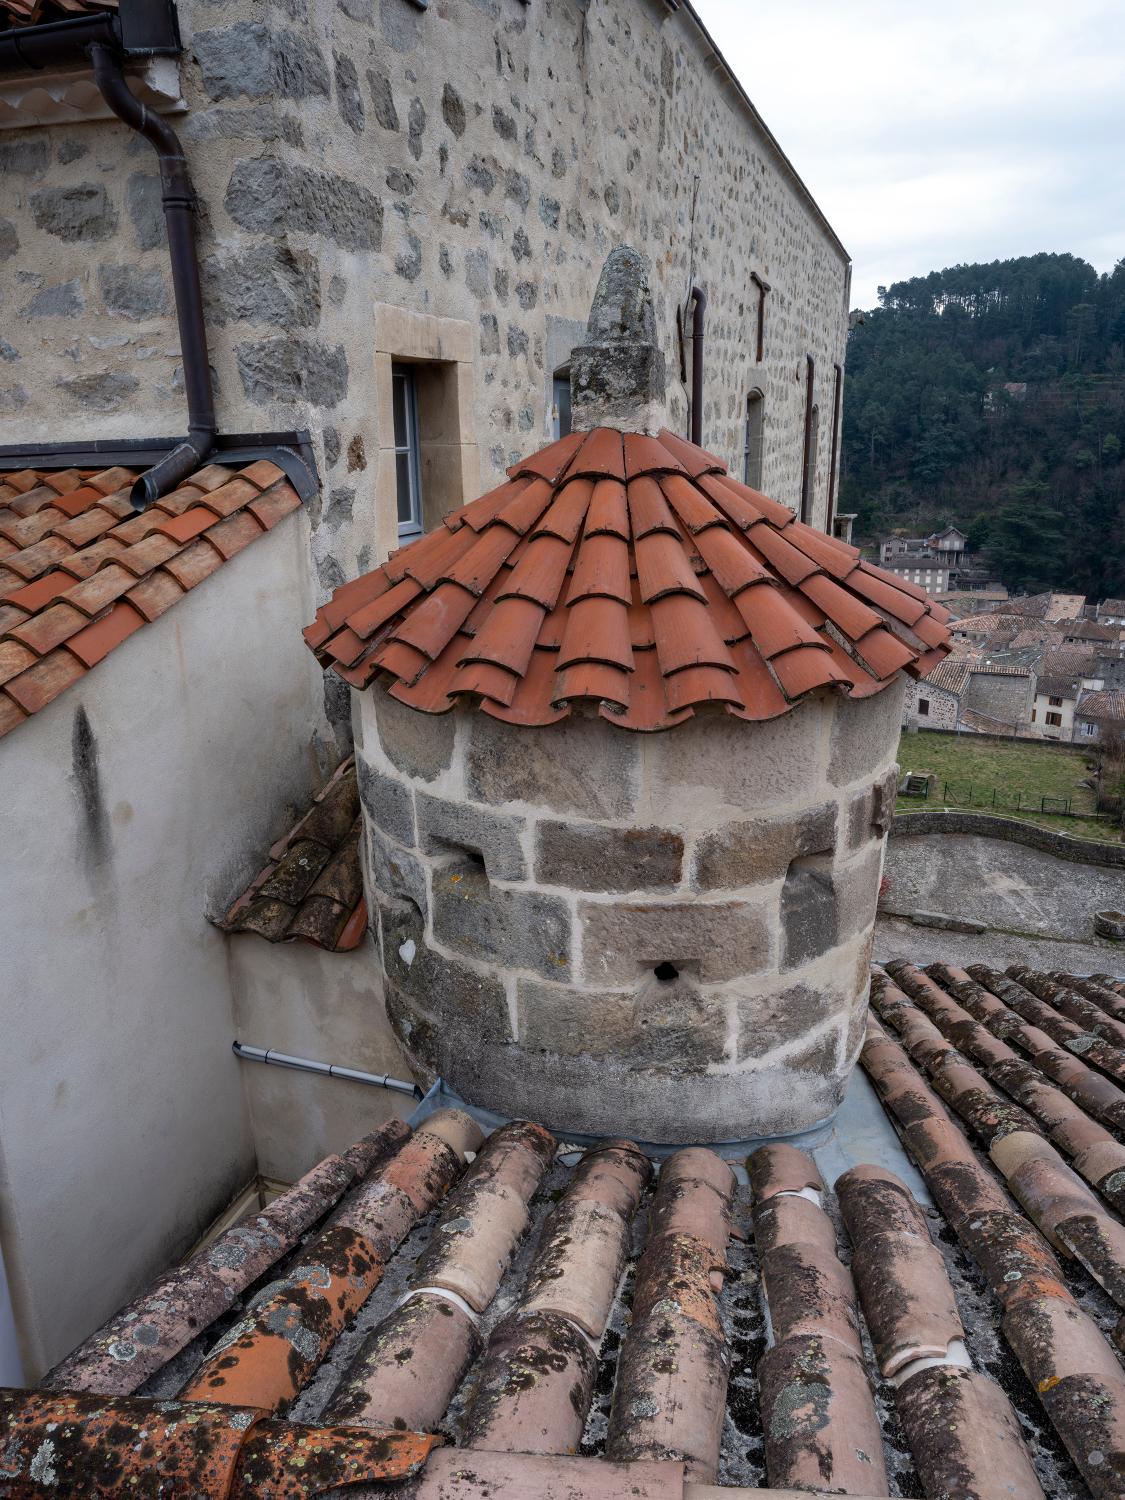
630	572
80	571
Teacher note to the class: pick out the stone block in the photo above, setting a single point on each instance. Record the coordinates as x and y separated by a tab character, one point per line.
857	891
865	732
142	198
446	1013
712	941
275	198
263	284
250	60
393	872
132	293
871	811
672	1026
580	766
9	239
107	391
454	827
519	929
761	849
293	369
389	804
781	1016
716	767
809	923
418	745
594	857
75	213
62	301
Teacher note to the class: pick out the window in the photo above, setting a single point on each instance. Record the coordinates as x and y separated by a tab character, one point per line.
408	470
1055	720
808	471
1088	728
560	402
760	339
1034	714
924	707
1055	702
752	440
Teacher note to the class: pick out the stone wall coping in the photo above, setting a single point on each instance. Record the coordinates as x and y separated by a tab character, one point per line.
988	825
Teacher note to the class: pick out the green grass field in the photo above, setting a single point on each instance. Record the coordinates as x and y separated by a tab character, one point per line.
971	768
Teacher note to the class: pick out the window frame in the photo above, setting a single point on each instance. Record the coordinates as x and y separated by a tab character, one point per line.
752	461
561	377
924	708
412	448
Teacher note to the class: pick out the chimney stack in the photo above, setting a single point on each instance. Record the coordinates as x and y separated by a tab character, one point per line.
617	376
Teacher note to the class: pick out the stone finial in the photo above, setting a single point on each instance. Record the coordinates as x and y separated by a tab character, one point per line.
617	376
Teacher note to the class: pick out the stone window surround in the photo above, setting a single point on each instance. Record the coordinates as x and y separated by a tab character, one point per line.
445	347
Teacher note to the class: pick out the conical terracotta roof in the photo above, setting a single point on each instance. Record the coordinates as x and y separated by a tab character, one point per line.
635	573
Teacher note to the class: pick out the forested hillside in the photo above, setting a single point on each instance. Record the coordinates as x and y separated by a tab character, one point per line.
993	396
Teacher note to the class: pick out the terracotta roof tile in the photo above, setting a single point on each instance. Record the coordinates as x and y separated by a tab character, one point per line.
73	549
566	533
312	888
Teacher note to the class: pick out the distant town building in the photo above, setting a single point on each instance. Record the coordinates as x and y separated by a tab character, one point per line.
1098	715
1111	612
937	563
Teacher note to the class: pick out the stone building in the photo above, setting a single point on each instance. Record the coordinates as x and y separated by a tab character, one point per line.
402	210
383	183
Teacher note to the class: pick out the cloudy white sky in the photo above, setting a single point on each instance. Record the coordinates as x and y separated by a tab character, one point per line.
969	130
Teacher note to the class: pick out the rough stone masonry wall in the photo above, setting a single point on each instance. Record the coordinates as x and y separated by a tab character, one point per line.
476	161
528	884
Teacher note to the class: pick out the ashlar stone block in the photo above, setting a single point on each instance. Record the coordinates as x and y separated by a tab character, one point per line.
393	871
388	804
519	929
864	733
661	1025
418	745
760	849
710	940
578	766
715	767
450	827
594	857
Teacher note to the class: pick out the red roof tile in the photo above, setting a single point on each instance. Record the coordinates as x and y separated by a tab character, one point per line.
311	889
634	573
82	572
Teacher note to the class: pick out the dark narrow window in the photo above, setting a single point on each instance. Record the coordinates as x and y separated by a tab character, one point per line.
560	403
760	339
752	440
837	394
923	707
408	471
808	467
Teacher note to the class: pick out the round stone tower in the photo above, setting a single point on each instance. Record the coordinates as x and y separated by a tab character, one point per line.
626	740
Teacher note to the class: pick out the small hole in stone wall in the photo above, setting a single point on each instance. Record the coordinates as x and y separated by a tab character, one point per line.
666	972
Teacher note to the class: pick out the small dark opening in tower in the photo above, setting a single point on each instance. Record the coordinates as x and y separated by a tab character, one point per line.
666	972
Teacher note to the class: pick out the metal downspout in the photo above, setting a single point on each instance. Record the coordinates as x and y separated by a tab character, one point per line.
178	197
699	308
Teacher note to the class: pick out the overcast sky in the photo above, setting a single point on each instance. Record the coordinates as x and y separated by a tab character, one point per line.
969	130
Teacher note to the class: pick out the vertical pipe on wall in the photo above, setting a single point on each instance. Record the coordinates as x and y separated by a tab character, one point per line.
806	466
698	298
837	395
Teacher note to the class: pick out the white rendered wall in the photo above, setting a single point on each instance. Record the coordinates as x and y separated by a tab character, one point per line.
124	1126
295	998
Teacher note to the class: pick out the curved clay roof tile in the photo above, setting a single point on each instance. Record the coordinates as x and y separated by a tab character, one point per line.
635	573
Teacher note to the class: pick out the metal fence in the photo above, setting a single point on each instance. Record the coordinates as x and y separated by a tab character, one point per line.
999	799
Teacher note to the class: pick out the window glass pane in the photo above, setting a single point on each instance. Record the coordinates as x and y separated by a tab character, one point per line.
398	384
405	498
562	405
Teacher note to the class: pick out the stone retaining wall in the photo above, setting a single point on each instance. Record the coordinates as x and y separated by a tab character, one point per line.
987	825
586	925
